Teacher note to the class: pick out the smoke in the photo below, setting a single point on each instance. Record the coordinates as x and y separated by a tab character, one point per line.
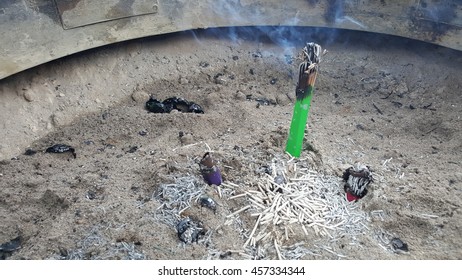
285	36
240	16
334	11
291	39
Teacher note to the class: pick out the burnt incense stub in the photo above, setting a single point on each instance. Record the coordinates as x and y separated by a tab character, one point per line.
210	172
207	161
189	230
357	179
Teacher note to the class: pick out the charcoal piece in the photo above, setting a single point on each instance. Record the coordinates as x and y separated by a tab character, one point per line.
218	78
357	179
265	169
61	148
176	103
132	149
195	108
7	248
257	54
208	202
204	64
30	152
91	195
173	103
225	254
265	101
398	245
155	106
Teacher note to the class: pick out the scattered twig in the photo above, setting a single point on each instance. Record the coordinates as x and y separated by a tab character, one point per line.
428	215
377	108
388	95
431	130
238	211
427	107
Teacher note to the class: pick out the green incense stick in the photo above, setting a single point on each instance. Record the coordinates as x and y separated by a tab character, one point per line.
298	124
304	93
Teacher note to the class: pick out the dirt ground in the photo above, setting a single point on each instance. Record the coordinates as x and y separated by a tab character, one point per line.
388	102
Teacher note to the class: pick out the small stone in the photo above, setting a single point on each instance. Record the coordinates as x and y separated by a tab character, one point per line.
28	96
183	81
204	64
239	95
58	119
140	96
30	152
186	139
402	89
360	127
219	79
132	149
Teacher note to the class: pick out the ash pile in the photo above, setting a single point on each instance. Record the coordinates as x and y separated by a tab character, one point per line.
294	212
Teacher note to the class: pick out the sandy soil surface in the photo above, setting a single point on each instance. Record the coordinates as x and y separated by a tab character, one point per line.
387	102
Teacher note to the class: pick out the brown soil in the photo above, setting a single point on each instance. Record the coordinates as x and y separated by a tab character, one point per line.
390	103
